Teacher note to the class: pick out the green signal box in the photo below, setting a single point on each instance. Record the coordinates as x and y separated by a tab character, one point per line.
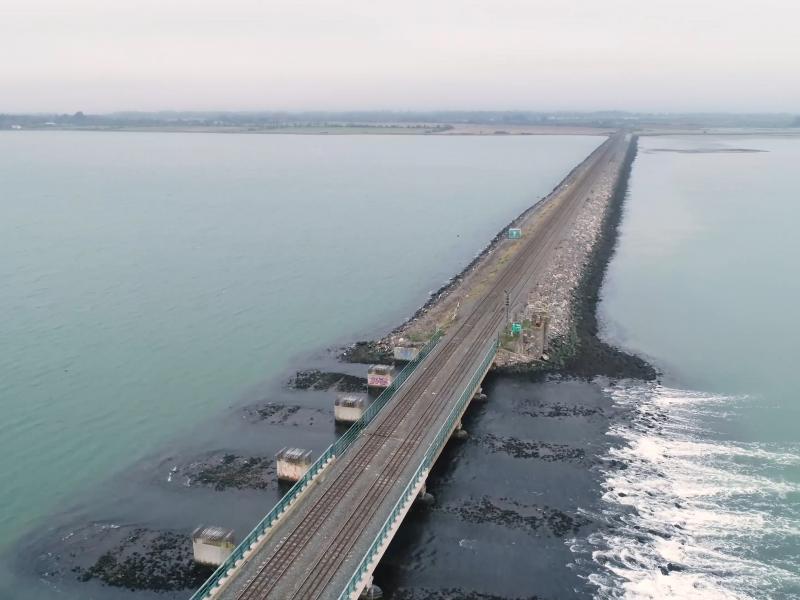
514	233
516	328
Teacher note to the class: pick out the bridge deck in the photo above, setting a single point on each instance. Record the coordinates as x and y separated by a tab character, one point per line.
313	551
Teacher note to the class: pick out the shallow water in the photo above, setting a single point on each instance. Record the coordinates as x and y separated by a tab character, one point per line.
695	516
151	280
510	500
705	282
689	489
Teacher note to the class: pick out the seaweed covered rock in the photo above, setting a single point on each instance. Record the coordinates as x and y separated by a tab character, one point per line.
225	471
159	561
367	352
314	379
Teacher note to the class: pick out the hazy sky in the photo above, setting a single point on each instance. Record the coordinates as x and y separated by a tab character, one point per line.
675	55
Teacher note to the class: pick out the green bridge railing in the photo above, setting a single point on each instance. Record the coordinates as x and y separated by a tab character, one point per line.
334	450
355	583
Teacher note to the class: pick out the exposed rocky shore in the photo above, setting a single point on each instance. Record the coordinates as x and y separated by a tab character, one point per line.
314	379
127	557
450	594
224	471
510	513
577	349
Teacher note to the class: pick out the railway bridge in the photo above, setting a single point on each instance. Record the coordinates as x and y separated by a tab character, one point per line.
325	537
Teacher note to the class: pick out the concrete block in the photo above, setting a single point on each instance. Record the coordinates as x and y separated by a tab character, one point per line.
405	350
212	545
348	408
380	376
292	463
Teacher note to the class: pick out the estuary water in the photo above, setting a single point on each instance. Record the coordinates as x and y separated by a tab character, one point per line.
706	284
149	280
686	489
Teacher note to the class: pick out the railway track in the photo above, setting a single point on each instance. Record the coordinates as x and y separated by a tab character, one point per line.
409	412
345	538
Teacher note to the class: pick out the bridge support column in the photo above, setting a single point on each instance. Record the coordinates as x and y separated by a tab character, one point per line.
380	376
212	545
348	408
459	433
292	463
424	497
479	395
371	591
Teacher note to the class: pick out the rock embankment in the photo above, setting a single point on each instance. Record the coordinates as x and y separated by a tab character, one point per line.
568	292
582	353
556	290
571	286
446	303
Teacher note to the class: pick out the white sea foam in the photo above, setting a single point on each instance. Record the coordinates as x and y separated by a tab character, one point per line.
688	516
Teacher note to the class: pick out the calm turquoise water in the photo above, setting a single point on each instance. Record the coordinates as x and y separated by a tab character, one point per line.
150	279
706	282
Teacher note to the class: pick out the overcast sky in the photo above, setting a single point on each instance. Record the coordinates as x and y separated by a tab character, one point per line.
653	55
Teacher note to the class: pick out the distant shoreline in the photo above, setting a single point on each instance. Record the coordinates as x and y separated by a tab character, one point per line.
424	129
708	150
387	129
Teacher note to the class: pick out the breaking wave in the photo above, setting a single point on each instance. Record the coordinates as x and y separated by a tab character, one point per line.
688	515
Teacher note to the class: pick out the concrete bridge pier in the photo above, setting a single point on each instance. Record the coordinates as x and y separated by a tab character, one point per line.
459	433
349	408
292	464
423	497
371	591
